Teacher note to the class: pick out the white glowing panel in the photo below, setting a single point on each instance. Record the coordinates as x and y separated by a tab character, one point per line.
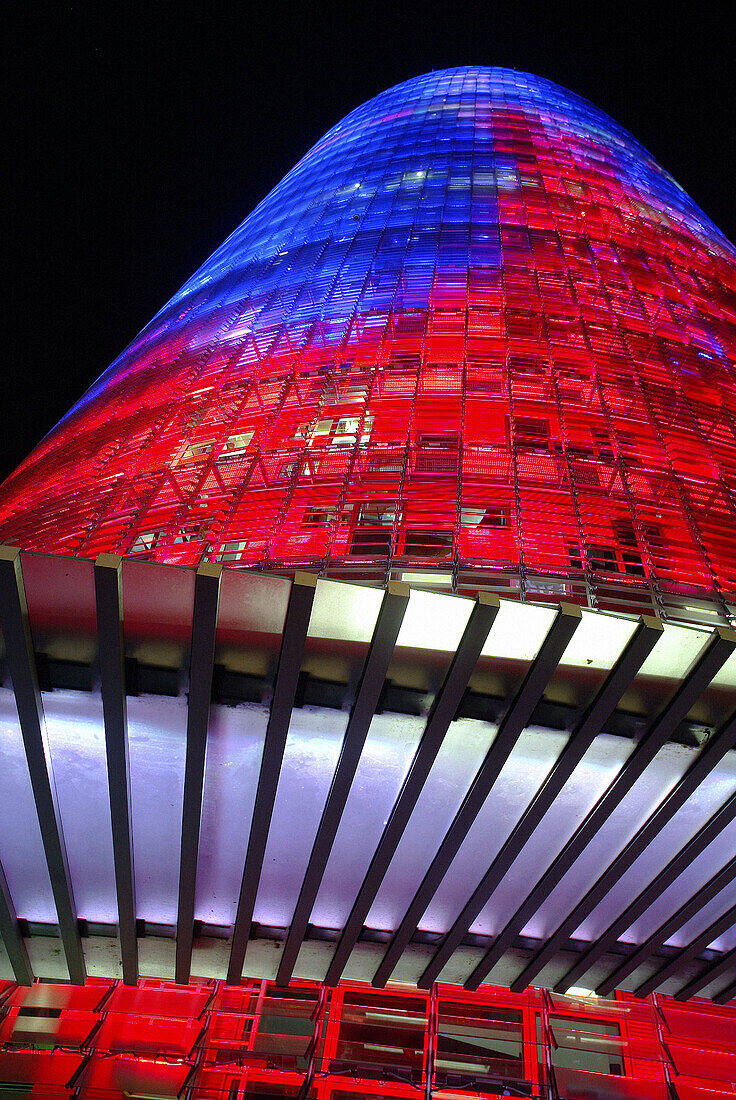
434	621
346	612
387	754
518	630
312	749
524	772
77	746
621	826
234	749
461	755
677	832
157	736
21	850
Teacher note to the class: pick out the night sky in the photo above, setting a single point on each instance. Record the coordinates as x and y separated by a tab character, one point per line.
142	135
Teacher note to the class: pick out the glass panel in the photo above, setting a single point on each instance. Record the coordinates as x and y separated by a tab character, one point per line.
39	1067
158	603
265	1027
579	1044
153	998
108	1078
381	1037
475	1041
142	1034
57	996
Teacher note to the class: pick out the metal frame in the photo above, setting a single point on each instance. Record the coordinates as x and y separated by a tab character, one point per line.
11	935
685	913
198	625
22	662
691	952
442	712
282	704
719	648
729	992
616	684
204	629
109	601
388	624
511	727
702	766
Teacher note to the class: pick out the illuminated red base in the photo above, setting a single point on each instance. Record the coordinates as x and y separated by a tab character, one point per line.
209	1041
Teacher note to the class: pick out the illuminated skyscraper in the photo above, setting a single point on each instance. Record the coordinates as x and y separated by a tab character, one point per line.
478	341
477	332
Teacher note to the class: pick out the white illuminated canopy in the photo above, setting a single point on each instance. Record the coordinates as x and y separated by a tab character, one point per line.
504	688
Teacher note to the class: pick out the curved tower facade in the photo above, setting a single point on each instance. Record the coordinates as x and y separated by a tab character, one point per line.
476	337
476	340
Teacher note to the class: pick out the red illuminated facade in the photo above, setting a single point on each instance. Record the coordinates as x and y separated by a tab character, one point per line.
477	339
477	333
207	1041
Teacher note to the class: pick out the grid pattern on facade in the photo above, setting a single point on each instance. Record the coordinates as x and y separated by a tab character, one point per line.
205	1041
477	332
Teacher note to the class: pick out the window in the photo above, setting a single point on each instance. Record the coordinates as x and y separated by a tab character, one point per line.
530	431
581	1044
371	543
381	1035
346	431
235	446
286	1026
375	513
631	558
146	540
428	544
493	516
476	1041
603	559
230	551
196	450
338	433
608	559
319	517
371	537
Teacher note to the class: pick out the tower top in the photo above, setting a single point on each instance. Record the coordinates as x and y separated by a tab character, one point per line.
477	336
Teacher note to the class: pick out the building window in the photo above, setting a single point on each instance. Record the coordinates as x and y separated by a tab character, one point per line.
196	450
230	551
372	534
493	516
530	431
319	517
145	540
602	559
428	544
476	1041
235	446
381	1037
593	1046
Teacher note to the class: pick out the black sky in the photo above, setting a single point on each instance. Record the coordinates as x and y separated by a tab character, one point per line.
143	134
